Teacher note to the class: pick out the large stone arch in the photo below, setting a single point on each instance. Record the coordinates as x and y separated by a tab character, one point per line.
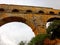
17	19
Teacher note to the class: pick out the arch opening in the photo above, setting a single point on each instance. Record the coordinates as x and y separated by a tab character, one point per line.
59	13
1	10
42	12
28	11
51	20
14	32
51	12
53	33
13	19
17	19
15	10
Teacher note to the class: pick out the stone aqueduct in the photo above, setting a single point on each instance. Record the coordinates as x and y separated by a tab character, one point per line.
35	17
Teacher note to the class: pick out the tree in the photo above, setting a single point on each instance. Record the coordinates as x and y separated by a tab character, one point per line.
21	43
54	29
53	32
38	40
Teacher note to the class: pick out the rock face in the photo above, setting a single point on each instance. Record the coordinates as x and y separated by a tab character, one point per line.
52	42
35	17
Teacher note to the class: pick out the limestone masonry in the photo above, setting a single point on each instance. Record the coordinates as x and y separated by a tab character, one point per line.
35	17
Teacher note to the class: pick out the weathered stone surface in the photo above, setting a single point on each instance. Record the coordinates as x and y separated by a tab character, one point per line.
35	17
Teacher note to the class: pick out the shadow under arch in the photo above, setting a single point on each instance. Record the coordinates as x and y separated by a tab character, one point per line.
52	19
17	19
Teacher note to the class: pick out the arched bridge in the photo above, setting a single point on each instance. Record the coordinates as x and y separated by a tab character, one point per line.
35	17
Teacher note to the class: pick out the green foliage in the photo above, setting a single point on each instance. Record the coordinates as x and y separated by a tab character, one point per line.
38	40
55	28
54	25
21	43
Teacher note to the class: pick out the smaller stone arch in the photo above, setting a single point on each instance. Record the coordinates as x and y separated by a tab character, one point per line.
2	9
51	12
15	10
58	13
28	11
41	12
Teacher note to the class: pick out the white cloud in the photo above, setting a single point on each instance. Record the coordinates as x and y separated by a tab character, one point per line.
43	3
15	32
